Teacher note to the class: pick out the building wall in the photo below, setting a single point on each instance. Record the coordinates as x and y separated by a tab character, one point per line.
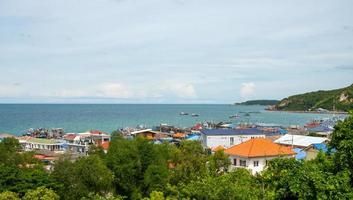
262	162
311	153
212	141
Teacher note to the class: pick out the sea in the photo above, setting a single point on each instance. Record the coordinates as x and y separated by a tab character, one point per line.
18	118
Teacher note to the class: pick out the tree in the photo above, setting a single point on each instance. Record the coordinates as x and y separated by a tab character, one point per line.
342	143
239	184
219	163
41	193
123	160
86	175
96	150
190	164
9	196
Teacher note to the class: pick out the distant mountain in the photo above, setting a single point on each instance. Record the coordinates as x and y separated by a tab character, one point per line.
259	102
332	100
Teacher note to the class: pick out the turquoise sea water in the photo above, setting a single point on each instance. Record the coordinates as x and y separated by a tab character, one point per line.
17	118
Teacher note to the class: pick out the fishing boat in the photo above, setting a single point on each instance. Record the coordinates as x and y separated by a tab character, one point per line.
184	113
236	116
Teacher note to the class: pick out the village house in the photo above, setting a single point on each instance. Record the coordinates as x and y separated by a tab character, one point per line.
30	144
313	150
147	133
212	138
255	153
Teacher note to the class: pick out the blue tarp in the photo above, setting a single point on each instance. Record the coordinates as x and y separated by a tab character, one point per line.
193	137
321	147
300	154
282	131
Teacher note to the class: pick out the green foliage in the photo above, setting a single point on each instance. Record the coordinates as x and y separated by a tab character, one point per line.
342	142
9	196
41	193
319	99
239	184
219	163
96	150
259	102
93	196
86	175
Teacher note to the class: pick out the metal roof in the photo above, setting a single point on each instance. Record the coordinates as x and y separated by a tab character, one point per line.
299	140
249	131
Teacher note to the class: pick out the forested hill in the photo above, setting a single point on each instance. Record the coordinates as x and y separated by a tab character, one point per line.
337	100
259	102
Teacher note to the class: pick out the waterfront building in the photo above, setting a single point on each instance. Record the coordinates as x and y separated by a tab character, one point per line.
31	144
255	153
212	138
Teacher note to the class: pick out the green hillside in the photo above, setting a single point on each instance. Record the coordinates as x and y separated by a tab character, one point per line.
337	100
259	102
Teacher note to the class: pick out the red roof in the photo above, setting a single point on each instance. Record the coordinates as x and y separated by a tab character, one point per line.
96	132
70	136
259	147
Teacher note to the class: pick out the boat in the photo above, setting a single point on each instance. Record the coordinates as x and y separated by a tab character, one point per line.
236	116
183	113
195	115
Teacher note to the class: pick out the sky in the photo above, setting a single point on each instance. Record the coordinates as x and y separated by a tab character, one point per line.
172	51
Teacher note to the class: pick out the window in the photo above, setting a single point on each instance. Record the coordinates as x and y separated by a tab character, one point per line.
256	163
243	163
231	141
235	162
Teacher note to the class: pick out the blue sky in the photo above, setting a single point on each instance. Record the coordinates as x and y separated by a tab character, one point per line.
172	51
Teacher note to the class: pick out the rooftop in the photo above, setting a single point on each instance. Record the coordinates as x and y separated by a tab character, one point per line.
43	141
249	131
299	140
259	147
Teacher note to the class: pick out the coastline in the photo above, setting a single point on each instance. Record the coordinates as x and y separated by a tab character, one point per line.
311	112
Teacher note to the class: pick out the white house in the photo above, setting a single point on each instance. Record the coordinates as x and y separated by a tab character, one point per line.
212	138
30	144
255	153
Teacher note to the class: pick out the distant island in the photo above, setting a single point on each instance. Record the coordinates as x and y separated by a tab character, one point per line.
259	102
340	100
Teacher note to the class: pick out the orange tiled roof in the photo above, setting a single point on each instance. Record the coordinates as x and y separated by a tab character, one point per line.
259	147
179	135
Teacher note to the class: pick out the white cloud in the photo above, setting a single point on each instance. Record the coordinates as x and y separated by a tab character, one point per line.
115	90
247	89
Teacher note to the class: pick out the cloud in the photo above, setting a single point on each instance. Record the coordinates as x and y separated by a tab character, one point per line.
247	90
115	90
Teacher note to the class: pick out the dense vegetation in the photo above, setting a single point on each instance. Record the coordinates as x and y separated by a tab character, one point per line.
138	169
339	99
259	102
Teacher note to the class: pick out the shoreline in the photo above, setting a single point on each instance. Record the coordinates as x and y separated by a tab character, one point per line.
311	112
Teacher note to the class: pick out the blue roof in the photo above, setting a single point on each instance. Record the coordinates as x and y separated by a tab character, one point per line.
320	129
321	147
193	137
249	131
300	154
